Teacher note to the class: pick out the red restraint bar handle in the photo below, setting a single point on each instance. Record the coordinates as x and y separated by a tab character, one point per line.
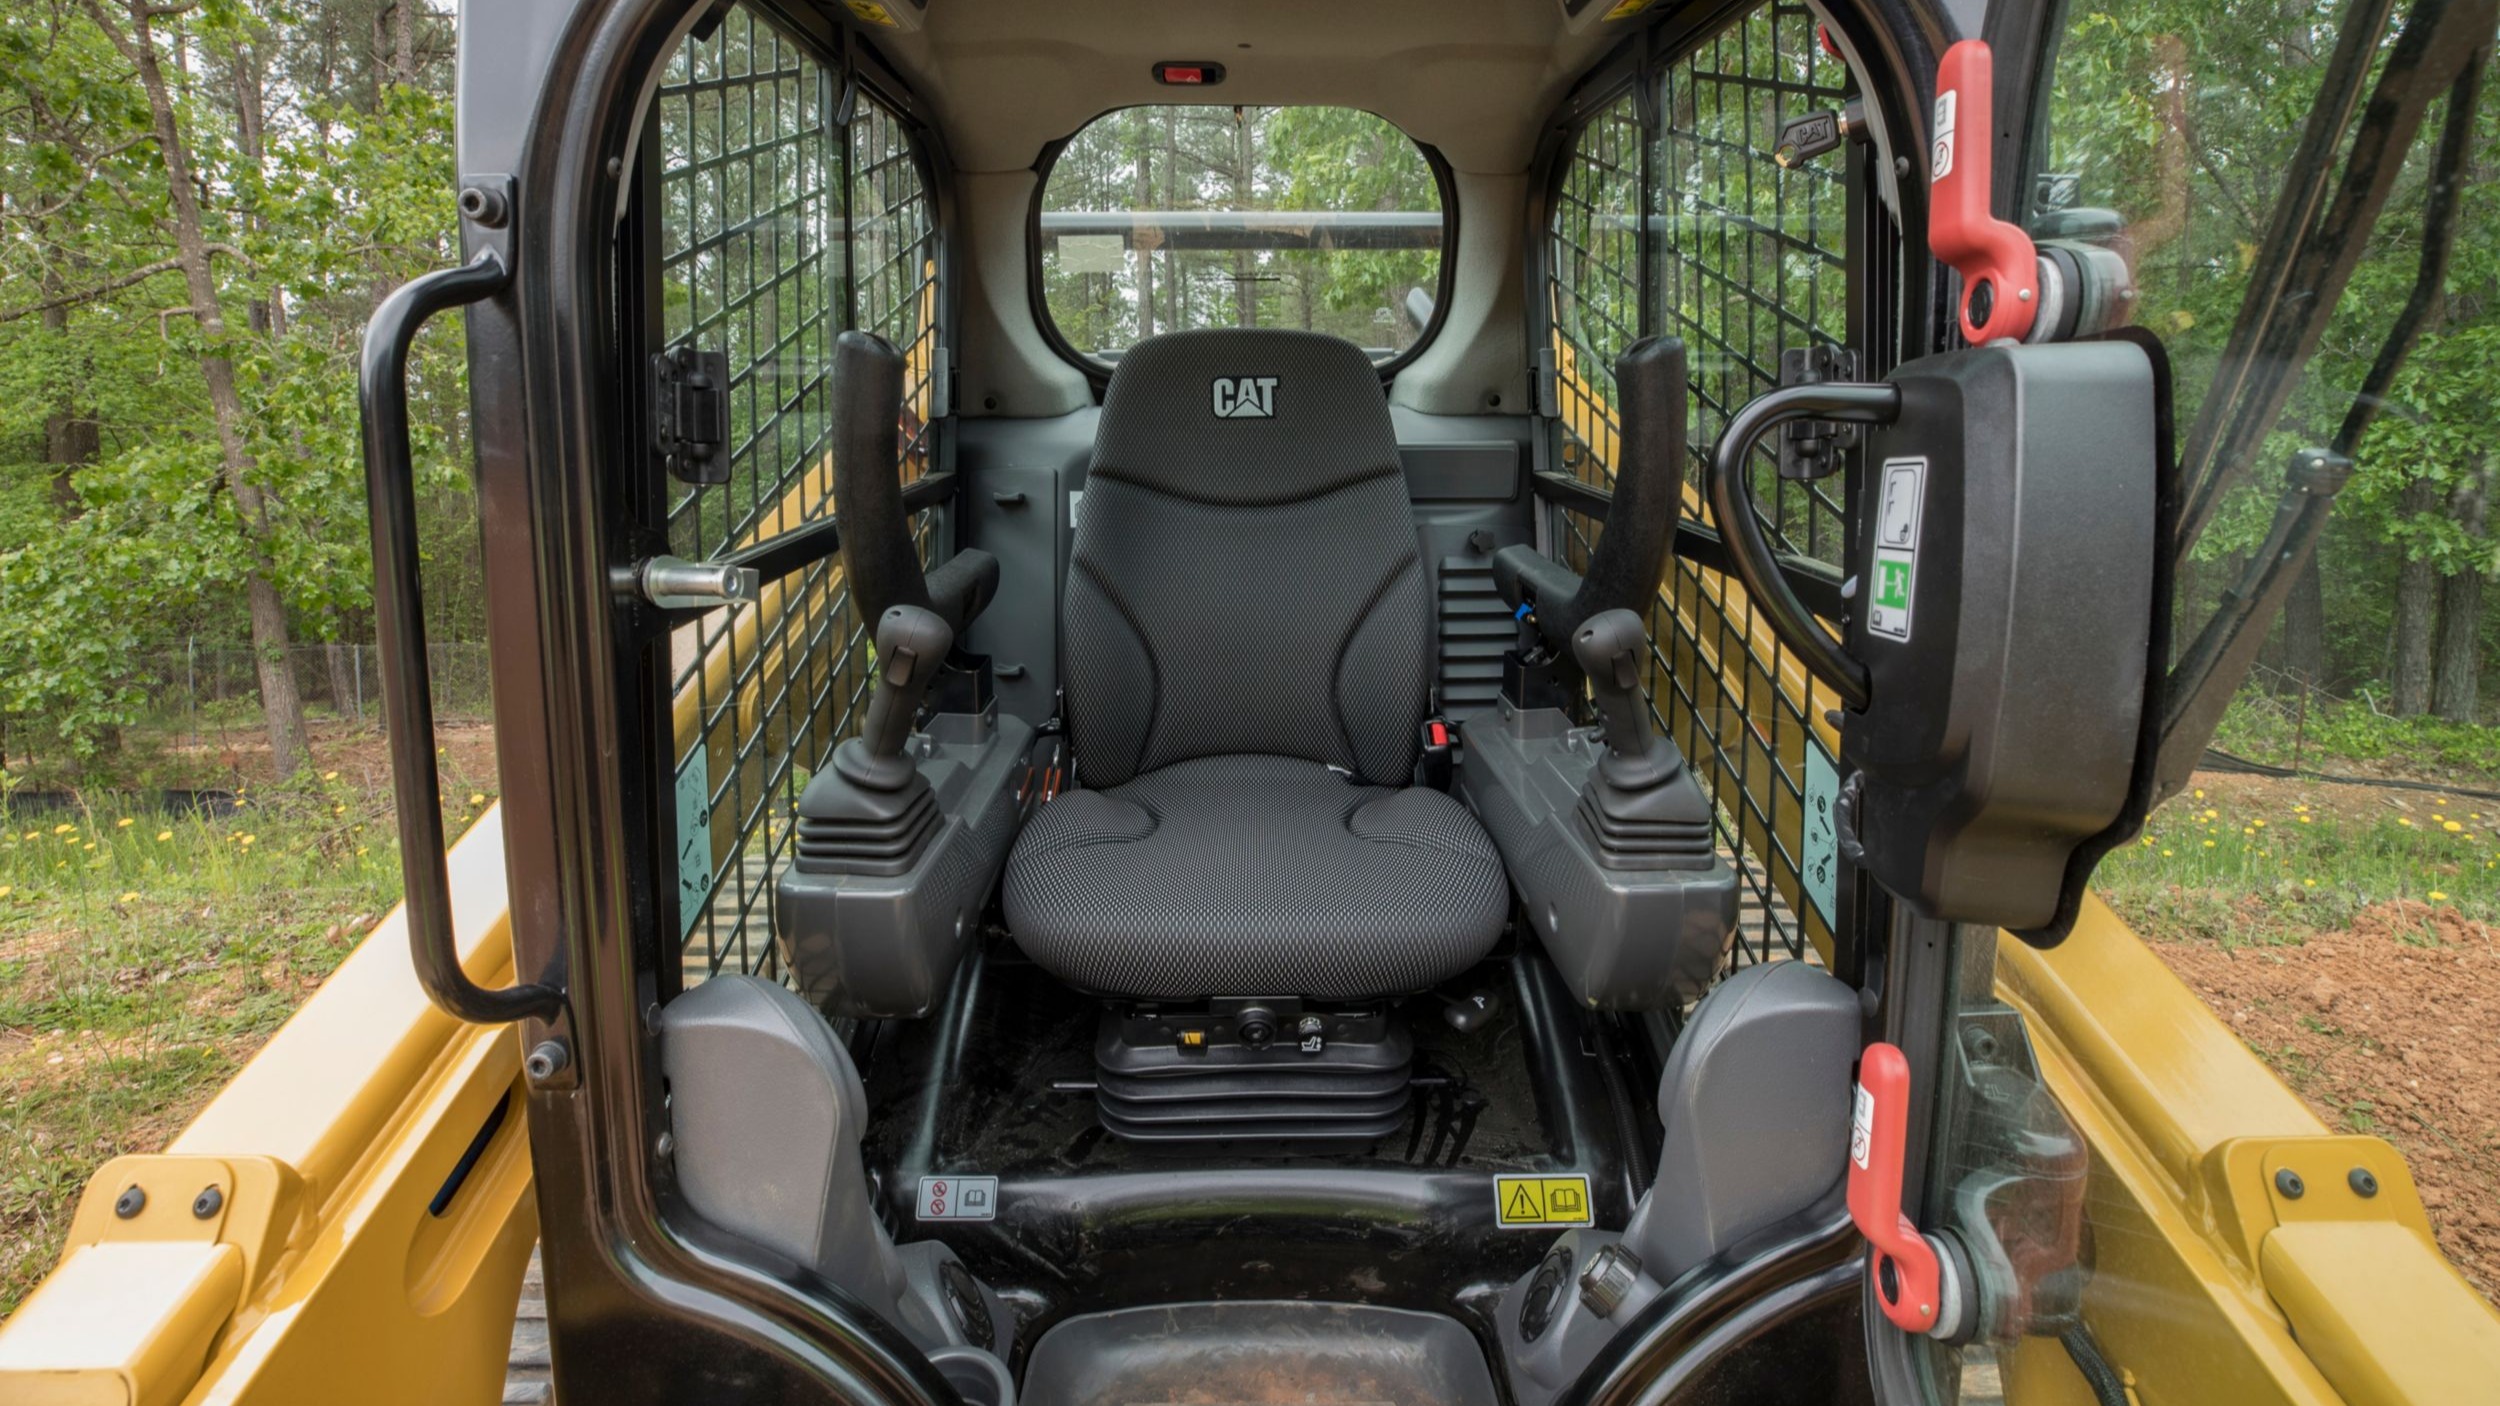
1999	267
1908	1281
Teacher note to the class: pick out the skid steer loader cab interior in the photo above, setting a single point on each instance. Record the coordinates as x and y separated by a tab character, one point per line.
1314	702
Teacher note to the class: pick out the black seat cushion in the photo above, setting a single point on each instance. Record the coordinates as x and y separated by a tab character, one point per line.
1254	876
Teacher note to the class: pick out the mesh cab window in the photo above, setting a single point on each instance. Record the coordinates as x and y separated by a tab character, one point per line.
777	229
1158	219
1692	231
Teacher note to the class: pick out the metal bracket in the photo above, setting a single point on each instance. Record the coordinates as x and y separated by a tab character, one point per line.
690	414
1812	449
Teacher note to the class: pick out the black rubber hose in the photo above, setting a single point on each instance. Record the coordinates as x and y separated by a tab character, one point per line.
2108	1388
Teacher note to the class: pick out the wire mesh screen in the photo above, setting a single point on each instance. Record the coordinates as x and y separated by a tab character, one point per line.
756	262
1742	260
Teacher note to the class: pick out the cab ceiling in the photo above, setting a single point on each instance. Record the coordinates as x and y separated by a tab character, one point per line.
1471	77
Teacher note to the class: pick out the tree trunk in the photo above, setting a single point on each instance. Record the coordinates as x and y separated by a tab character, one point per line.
404	41
2460	647
2304	627
70	440
1144	134
2417	606
2461	613
343	683
1245	267
281	702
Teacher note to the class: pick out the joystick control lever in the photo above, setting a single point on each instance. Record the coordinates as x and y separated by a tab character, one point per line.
912	644
1610	646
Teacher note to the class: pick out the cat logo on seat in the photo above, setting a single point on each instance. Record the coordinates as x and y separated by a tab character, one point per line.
1245	397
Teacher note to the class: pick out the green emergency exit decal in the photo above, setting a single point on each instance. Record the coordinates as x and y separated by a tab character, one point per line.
1892	596
1541	1202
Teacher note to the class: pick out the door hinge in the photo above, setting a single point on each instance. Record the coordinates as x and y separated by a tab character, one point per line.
690	414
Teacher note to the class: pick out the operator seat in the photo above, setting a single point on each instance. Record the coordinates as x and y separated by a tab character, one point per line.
1247	661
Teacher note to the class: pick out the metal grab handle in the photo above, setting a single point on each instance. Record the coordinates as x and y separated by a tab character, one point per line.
398	607
1740	529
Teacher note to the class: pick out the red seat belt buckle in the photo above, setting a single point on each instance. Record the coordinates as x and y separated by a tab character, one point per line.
2000	268
1909	1281
1437	765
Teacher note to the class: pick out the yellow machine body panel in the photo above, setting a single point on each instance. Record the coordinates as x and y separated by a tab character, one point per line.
343	1255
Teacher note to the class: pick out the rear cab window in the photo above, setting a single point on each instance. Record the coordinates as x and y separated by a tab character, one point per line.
1163	219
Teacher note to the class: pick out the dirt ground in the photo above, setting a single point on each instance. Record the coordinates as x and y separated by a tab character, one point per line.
2390	1026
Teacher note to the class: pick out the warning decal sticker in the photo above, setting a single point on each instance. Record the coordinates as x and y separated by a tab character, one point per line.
1892	594
958	1198
1537	1202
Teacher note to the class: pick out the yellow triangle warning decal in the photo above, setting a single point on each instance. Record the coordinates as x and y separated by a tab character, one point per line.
1522	1205
1541	1201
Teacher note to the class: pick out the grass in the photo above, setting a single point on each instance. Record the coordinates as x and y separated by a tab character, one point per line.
2239	873
144	958
2333	734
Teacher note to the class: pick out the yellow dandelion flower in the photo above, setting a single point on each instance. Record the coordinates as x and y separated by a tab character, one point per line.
329	776
2451	826
477	798
7	889
2405	820
2248	830
2260	824
164	836
2438	897
2165	854
360	849
2209	844
2304	820
2200	795
2299	810
248	839
2308	883
63	829
2213	815
124	823
132	897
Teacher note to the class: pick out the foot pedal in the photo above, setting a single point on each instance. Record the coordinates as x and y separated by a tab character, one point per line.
1261	1071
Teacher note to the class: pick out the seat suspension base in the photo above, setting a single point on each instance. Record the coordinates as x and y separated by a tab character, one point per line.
1280	1071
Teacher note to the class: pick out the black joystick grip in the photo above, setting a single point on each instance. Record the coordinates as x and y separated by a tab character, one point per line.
912	642
1610	646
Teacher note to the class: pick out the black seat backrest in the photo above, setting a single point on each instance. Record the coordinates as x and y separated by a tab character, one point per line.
1245	575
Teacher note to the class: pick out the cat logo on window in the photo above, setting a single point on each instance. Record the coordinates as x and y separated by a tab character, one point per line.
1245	397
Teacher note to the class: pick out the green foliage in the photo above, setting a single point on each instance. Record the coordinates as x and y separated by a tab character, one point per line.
336	190
2332	734
2184	117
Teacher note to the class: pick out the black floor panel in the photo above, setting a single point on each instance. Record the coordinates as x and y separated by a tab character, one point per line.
1000	1083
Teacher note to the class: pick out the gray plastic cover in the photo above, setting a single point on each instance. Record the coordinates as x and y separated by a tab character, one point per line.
1755	1101
1623	939
766	1111
886	945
